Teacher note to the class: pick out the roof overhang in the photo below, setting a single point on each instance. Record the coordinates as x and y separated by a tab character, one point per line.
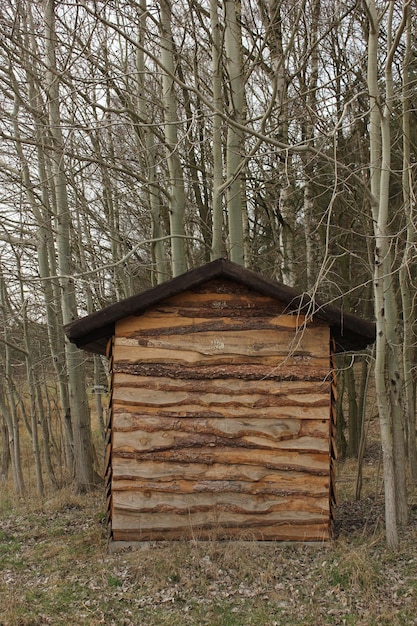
92	332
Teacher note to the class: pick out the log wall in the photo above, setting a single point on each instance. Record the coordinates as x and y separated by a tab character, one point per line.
220	421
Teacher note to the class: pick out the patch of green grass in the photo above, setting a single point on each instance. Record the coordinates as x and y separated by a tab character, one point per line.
7	537
10	552
54	568
114	581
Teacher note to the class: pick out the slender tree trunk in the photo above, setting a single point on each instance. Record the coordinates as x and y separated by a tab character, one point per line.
387	366
217	247
46	253
5	451
287	209
341	443
407	274
381	250
196	166
30	371
43	420
233	49
392	321
354	423
9	414
33	406
80	419
160	272
169	98
311	231
283	229
7	399
366	371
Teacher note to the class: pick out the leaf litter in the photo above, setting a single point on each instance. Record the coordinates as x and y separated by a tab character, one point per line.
55	569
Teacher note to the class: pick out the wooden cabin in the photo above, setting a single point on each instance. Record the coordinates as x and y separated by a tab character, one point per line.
222	411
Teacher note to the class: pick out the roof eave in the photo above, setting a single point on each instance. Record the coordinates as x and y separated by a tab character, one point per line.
93	331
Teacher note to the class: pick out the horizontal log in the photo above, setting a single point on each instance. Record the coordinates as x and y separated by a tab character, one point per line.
162	398
225	411
315	463
190	524
271	485
306	342
283	371
125	467
131	354
142	441
250	398
155	504
235	427
275	532
175	320
217	518
276	428
219	301
290	389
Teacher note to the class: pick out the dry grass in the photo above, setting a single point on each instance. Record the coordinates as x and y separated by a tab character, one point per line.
55	569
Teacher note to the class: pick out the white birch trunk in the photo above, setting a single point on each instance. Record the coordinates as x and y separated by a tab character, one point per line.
312	238
169	98
160	272
386	359
395	369
46	249
217	197
408	307
233	48
80	419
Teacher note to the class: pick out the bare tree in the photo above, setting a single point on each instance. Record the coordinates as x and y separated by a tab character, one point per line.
388	379
80	419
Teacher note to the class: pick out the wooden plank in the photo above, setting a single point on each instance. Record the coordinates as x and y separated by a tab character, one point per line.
284	371
277	484
217	520
226	411
233	428
125	466
315	463
220	300
277	428
154	504
308	342
160	397
144	400
205	356
247	396
219	517
175	320
231	385
109	348
299	533
275	532
143	441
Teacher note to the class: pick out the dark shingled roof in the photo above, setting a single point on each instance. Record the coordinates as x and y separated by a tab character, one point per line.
92	332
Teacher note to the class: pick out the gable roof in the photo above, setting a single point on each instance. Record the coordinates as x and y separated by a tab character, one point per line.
92	332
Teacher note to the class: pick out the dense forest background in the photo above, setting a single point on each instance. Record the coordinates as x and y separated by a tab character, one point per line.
140	139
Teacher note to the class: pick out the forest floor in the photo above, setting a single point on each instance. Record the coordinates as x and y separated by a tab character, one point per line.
55	569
